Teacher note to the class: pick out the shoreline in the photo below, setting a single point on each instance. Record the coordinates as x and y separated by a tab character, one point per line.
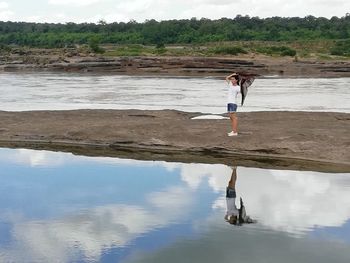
287	140
177	66
173	155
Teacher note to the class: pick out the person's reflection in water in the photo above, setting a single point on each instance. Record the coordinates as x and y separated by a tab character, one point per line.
234	215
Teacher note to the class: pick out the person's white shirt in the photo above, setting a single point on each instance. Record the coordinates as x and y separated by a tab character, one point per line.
231	207
233	91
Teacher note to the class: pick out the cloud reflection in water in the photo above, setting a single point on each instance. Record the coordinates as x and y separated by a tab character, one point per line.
293	202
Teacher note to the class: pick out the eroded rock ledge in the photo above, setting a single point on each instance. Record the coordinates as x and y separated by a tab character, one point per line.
305	140
178	66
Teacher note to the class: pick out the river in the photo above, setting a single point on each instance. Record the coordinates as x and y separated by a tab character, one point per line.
59	207
63	91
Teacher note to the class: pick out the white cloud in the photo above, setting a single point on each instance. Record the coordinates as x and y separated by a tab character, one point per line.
4	5
33	158
5	12
53	18
173	200
215	174
141	10
163	10
95	230
6	15
289	201
74	2
135	6
292	201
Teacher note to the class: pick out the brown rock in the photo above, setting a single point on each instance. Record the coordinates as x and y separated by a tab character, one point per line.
306	140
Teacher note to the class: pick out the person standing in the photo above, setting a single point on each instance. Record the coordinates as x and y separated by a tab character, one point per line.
237	84
233	91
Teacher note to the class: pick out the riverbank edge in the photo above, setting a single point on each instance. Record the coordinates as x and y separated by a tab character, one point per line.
179	66
137	152
288	140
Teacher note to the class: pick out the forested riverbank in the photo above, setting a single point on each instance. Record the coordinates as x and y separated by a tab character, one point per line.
279	36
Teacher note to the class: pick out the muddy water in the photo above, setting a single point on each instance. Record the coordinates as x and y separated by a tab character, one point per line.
43	91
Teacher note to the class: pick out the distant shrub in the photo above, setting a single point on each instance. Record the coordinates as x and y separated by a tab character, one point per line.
277	50
160	45
160	51
341	48
288	52
94	45
128	50
228	50
160	48
5	48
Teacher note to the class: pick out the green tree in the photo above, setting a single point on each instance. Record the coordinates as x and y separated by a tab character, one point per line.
94	45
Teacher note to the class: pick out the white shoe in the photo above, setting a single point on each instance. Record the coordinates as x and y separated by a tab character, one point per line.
232	133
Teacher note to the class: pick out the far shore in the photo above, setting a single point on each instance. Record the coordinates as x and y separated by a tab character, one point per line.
287	140
59	61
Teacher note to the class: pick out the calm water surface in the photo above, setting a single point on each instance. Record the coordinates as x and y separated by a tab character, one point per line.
57	207
43	91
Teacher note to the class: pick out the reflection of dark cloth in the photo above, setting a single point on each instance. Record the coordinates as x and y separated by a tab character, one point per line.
243	218
230	192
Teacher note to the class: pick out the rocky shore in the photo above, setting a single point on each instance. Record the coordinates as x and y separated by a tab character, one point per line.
287	140
295	140
180	66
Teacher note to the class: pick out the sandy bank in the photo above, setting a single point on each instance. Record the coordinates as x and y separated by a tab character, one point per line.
305	140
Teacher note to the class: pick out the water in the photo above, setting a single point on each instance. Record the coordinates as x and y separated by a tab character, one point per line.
61	91
57	207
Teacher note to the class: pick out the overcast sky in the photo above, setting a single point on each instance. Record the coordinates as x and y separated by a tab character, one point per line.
61	11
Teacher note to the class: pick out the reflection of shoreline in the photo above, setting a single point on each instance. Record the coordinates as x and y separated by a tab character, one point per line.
103	151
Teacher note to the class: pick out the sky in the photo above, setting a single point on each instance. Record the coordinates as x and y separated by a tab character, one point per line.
80	11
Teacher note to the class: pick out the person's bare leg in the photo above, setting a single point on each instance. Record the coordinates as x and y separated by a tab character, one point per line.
234	122
232	182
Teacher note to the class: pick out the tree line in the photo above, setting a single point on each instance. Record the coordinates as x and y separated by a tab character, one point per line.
186	31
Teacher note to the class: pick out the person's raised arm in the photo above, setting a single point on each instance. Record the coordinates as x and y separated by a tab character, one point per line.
230	76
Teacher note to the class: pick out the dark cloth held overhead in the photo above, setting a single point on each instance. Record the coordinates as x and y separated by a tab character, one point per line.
245	82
